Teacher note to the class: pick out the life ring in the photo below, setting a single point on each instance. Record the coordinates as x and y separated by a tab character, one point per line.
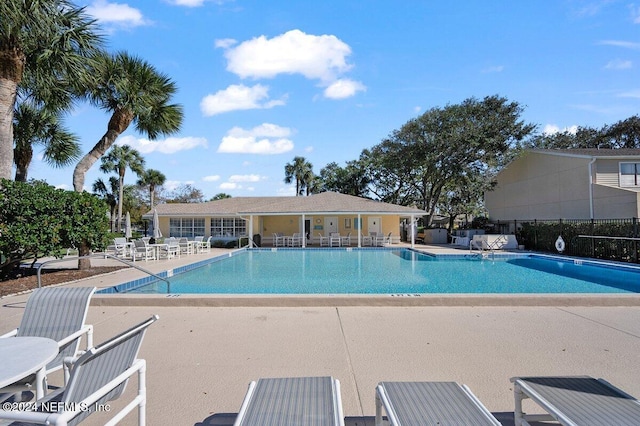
560	246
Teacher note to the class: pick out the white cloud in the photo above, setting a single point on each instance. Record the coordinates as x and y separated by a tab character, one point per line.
117	14
287	191
620	43
630	94
493	69
341	89
294	52
230	185
618	64
167	146
264	139
245	178
225	43
552	129
238	97
635	14
193	3
171	185
211	178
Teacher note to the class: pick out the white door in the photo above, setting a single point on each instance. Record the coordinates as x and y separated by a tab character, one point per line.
330	225
374	224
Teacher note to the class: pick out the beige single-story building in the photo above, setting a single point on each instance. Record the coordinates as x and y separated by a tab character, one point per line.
315	216
568	184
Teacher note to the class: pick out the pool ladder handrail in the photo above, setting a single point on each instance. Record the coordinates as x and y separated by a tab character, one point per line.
482	254
101	255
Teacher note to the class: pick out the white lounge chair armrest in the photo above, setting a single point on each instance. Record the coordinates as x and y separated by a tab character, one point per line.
12	333
67	363
86	329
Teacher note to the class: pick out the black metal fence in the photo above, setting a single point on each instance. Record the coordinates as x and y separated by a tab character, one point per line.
611	239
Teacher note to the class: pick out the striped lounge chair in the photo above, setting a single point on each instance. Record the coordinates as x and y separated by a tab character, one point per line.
300	401
575	400
59	314
430	403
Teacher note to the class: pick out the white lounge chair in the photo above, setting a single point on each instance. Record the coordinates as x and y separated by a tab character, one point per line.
575	400
381	240
184	246
119	248
300	401
430	403
279	240
346	240
171	249
335	239
366	240
143	251
58	314
96	377
324	241
205	245
295	240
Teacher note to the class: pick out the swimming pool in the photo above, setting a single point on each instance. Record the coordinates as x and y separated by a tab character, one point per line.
365	271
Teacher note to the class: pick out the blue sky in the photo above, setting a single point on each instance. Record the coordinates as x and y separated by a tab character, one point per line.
264	81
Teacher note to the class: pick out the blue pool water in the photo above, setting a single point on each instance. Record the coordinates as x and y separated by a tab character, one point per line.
393	271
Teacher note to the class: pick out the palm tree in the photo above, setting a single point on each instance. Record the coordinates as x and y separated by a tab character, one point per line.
118	160
109	194
133	92
47	43
301	171
38	125
151	178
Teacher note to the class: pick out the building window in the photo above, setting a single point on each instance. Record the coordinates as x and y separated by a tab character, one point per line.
186	227
629	174
228	227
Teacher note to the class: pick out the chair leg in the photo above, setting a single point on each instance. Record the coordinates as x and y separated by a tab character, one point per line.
378	411
142	391
518	415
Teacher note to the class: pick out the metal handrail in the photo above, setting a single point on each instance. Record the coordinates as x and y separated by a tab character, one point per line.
609	238
102	255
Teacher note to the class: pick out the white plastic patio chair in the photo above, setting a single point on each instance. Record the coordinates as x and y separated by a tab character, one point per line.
279	240
324	241
143	251
58	314
205	245
96	377
295	240
171	250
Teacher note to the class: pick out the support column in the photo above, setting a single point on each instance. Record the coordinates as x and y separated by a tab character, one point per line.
304	233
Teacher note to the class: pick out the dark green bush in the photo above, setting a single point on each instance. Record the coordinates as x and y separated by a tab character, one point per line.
37	220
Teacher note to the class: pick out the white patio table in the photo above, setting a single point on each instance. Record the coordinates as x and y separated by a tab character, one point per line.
157	247
23	356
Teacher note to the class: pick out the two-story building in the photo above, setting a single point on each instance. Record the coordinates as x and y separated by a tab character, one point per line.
568	184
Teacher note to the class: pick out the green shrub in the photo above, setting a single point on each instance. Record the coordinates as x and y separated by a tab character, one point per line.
37	220
218	243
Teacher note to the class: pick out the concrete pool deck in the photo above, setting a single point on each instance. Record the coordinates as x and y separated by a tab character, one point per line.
201	359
